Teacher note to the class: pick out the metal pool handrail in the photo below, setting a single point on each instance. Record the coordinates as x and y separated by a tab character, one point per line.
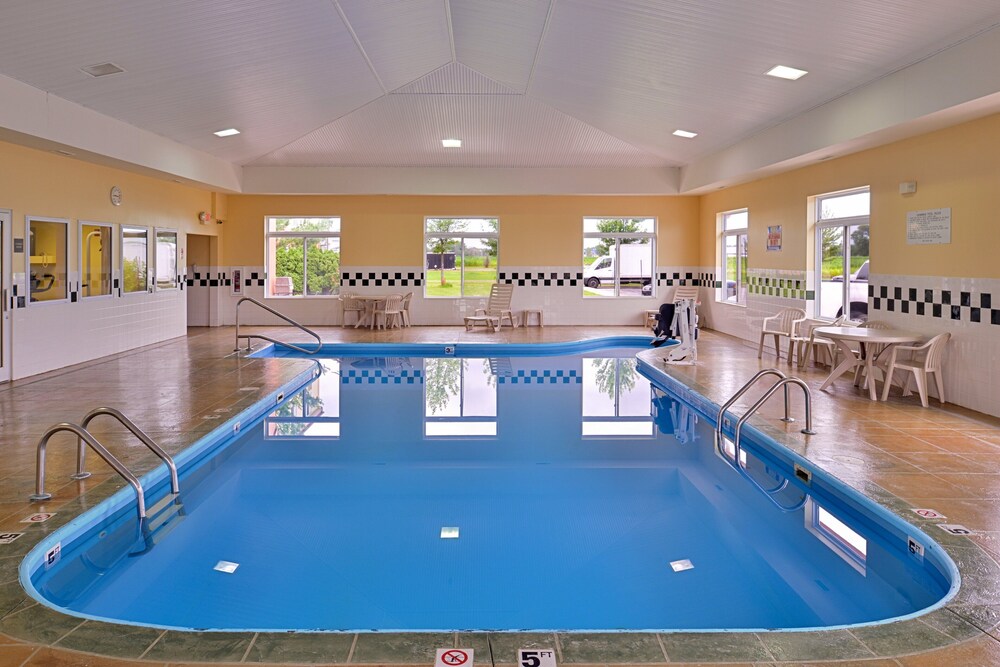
743	390
87	437
137	432
319	341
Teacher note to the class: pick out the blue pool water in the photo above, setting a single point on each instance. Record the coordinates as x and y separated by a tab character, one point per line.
573	483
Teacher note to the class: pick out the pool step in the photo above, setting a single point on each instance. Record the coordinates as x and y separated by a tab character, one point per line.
161	518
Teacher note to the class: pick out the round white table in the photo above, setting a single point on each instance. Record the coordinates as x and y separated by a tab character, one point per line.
844	336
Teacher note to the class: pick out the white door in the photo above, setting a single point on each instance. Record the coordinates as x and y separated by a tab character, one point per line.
5	277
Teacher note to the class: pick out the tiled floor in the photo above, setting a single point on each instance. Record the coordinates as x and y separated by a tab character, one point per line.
896	452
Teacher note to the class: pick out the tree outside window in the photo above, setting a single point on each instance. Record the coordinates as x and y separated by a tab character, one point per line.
461	256
303	257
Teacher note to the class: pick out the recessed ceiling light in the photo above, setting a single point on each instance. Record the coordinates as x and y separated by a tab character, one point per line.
685	134
451	143
102	69
784	72
226	133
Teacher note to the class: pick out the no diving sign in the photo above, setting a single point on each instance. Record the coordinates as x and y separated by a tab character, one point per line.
453	657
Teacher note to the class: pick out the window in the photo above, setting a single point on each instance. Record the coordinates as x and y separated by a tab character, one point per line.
618	258
166	259
135	259
461	256
734	256
460	398
95	259
303	257
615	399
842	249
47	261
834	533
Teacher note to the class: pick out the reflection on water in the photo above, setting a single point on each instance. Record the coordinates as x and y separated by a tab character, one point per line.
460	398
313	412
613	402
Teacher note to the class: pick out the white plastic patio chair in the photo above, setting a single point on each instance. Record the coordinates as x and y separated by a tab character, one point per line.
920	360
351	305
873	350
781	325
406	308
811	344
497	308
391	313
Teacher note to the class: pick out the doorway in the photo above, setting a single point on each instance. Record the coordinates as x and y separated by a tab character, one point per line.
200	296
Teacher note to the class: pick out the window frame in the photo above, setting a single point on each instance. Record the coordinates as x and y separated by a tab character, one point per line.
739	298
28	219
462	236
844	223
111	256
304	236
175	276
121	258
618	236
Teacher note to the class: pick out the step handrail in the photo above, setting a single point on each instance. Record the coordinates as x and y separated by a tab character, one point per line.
108	457
319	341
742	390
783	382
136	431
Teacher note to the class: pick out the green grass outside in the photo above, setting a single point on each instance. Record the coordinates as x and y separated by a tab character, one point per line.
477	283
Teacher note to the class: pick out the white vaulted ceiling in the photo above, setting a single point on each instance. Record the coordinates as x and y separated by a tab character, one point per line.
523	83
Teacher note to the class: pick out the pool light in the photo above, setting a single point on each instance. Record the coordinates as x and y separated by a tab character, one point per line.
226	566
681	565
449	533
785	72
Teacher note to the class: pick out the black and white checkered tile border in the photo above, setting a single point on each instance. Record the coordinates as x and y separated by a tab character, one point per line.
708	280
382	279
946	304
671	278
788	288
378	376
542	377
207	279
540	278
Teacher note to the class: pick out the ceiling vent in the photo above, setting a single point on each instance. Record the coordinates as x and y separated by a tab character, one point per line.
102	69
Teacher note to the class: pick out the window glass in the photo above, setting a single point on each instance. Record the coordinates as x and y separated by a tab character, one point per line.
460	256
47	259
734	256
95	259
303	257
135	244
166	259
460	397
842	252
618	256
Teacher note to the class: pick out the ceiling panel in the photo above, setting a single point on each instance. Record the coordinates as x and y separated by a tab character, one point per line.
275	70
404	39
499	39
588	80
496	131
639	69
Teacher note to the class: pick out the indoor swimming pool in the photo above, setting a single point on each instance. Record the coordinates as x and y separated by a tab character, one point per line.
480	488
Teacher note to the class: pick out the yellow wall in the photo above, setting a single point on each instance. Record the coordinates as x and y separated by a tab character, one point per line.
38	183
388	230
957	168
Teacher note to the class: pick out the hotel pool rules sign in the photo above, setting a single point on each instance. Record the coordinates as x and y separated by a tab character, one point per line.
930	226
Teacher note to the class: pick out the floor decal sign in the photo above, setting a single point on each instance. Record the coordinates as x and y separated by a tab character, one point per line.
542	657
453	657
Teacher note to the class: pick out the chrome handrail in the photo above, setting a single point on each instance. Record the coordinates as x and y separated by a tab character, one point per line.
319	341
136	431
743	390
84	436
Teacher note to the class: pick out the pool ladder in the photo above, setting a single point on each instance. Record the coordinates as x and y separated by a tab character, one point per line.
151	520
298	348
782	382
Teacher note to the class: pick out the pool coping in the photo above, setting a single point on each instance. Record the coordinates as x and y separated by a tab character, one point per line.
967	616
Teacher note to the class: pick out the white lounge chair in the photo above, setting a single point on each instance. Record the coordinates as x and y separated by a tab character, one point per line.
497	308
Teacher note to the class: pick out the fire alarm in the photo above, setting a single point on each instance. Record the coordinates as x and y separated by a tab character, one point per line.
204	217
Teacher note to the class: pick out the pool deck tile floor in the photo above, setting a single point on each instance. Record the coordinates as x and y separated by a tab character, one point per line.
898	453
